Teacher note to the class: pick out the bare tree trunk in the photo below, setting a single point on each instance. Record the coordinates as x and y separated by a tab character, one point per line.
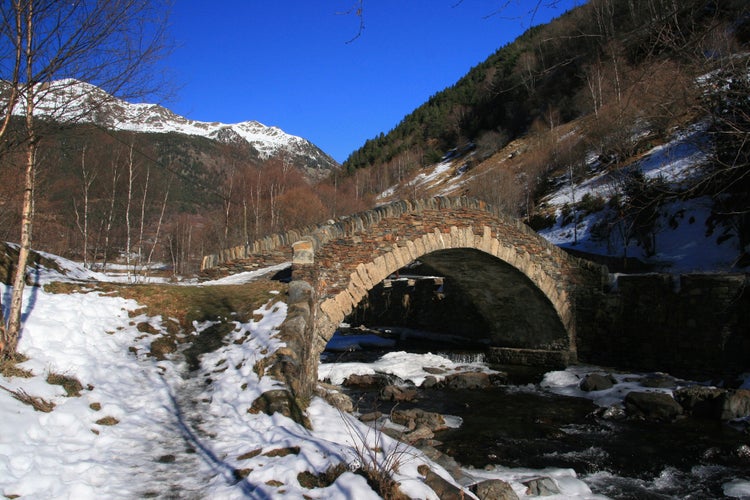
88	179
158	228
573	204
127	213
111	214
27	211
244	220
143	220
227	210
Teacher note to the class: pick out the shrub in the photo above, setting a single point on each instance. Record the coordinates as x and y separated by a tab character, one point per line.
538	222
590	204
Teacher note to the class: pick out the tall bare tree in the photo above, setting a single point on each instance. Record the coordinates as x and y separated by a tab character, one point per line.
47	48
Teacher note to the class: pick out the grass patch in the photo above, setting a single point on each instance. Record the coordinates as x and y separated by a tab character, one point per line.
108	421
186	303
282	452
9	367
250	454
71	385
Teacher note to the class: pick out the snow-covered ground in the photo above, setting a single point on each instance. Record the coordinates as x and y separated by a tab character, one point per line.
148	428
173	435
686	240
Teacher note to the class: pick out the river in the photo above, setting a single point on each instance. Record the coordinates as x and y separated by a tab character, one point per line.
540	423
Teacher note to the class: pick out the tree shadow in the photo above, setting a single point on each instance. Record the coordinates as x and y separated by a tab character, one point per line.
230	474
30	302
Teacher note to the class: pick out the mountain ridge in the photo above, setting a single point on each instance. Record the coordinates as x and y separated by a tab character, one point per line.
77	102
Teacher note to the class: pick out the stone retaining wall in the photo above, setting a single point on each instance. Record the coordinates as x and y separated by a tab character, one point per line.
694	324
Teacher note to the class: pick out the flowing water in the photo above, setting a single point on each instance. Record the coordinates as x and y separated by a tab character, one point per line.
522	425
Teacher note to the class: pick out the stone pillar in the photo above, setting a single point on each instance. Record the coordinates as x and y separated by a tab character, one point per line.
304	252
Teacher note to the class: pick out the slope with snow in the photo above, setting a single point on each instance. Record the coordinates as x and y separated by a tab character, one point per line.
687	238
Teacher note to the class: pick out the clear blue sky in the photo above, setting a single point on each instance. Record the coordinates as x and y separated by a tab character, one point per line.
288	63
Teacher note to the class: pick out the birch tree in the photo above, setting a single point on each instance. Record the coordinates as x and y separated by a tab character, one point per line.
47	48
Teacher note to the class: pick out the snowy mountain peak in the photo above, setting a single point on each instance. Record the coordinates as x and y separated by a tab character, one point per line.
79	102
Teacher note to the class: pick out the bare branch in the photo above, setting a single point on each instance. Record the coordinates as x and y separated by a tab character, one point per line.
356	10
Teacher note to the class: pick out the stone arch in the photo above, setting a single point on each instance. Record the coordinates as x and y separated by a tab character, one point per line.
334	309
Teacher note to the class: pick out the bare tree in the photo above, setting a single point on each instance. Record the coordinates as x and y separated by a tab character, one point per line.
87	179
50	47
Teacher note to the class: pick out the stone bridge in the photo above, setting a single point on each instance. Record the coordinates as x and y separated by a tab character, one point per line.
526	292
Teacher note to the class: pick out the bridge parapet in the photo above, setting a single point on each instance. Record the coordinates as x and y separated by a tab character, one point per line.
318	235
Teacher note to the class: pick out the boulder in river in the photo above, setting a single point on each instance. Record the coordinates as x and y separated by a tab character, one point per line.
494	489
468	380
367	380
541	487
700	401
658	380
736	404
416	417
652	406
712	402
596	382
398	393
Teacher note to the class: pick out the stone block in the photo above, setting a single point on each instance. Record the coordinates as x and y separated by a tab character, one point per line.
390	263
331	309
304	253
419	247
411	248
364	276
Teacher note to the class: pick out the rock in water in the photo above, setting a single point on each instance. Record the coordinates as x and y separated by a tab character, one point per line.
596	382
541	487
652	406
494	489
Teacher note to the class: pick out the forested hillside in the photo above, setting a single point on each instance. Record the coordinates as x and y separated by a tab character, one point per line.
622	74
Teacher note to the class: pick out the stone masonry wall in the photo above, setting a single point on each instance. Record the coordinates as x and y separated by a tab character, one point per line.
696	324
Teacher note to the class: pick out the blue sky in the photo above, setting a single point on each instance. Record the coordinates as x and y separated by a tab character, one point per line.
288	63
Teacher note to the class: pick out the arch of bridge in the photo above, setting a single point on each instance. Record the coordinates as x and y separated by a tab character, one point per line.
344	261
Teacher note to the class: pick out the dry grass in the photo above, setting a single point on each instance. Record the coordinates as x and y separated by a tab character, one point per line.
186	303
39	404
71	385
9	367
309	480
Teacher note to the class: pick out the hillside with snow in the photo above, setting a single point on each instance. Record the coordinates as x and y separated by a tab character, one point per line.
687	235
